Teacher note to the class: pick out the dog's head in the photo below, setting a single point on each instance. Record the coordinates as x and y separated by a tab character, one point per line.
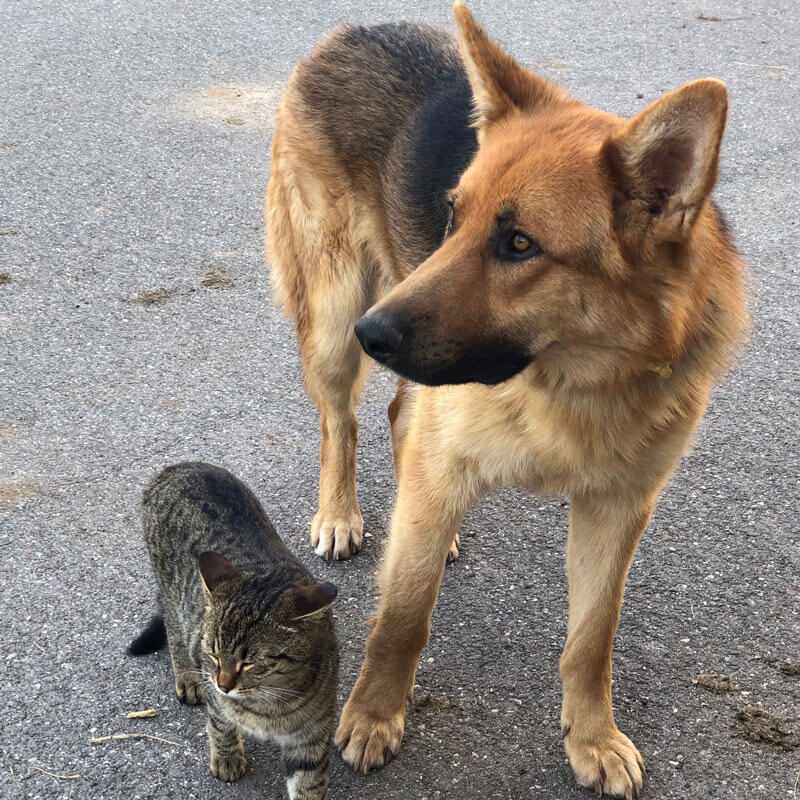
576	239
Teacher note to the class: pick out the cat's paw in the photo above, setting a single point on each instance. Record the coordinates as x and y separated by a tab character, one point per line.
228	769
610	766
190	690
366	741
336	536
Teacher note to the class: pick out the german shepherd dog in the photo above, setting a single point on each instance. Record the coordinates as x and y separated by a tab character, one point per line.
558	294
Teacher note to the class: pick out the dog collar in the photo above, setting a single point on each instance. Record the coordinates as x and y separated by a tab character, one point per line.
662	368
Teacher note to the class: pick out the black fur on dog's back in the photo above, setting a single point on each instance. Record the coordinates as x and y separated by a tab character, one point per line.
406	127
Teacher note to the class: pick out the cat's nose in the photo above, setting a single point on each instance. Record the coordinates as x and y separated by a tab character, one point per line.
226	681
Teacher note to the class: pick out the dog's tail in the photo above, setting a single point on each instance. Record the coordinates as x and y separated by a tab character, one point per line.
152	638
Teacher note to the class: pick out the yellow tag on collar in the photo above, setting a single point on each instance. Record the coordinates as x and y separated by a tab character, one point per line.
663	368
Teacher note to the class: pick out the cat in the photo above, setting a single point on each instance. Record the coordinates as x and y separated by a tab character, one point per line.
249	631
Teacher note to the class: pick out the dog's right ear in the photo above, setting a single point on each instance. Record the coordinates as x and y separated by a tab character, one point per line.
499	84
215	569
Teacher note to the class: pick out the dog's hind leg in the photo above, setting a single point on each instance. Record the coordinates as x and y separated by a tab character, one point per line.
398	413
324	277
335	369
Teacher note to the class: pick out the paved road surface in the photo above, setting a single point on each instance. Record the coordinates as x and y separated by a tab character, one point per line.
133	160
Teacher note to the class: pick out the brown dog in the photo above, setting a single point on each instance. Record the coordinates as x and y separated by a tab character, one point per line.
564	296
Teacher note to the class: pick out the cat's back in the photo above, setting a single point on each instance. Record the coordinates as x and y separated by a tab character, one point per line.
193	506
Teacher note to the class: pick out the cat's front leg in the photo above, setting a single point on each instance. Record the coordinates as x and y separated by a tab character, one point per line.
306	771
226	752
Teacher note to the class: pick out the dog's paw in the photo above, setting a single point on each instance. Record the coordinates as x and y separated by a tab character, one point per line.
228	769
189	689
453	552
611	766
334	536
365	740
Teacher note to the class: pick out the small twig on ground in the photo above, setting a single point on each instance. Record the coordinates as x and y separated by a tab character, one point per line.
710	18
765	66
132	736
146	714
53	774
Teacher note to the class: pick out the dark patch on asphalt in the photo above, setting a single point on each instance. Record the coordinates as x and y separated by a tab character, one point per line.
719	684
216	279
763	727
152	297
5	278
790	668
9	232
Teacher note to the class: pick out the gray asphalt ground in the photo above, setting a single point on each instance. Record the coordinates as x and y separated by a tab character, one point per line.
133	158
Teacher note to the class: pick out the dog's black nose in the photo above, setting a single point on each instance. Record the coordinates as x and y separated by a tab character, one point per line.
380	335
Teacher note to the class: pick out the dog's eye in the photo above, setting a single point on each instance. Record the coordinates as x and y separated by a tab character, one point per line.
517	246
520	242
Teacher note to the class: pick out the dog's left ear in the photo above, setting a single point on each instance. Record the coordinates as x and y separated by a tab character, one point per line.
664	161
499	84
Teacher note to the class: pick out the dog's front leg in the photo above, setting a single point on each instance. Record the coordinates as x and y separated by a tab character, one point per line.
603	535
426	517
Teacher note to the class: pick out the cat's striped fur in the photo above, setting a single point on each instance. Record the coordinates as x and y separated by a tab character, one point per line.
249	630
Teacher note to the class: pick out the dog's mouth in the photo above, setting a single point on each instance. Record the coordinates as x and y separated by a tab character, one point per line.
434	362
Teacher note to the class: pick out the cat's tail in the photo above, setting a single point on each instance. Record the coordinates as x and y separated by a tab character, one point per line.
152	638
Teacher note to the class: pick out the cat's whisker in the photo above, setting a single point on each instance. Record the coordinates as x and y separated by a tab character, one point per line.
281	690
268	694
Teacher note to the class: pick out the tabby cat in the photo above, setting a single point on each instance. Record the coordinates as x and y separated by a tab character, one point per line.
255	641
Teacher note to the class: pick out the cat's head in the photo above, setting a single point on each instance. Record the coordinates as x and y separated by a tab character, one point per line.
257	641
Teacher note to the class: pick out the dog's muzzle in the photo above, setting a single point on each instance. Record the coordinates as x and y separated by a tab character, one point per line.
380	335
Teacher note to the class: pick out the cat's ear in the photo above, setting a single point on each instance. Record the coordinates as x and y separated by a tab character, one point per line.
215	569
305	601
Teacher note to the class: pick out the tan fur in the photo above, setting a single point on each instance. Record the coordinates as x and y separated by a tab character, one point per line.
589	417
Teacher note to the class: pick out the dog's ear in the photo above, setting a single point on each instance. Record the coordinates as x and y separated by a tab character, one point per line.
499	84
664	162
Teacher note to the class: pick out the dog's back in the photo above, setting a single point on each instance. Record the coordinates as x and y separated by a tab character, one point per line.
384	111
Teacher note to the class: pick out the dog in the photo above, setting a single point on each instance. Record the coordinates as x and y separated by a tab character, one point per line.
558	294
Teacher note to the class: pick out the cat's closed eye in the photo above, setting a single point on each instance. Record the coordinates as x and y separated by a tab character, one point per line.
281	657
